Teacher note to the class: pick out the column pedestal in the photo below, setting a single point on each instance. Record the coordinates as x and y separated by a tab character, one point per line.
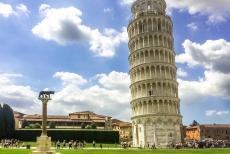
44	146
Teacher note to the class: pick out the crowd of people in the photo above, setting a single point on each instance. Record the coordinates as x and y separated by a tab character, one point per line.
10	143
75	144
71	144
202	144
208	144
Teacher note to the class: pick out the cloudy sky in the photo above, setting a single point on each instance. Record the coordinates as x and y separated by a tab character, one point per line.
79	49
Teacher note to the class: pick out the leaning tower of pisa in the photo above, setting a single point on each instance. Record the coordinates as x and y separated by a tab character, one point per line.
156	117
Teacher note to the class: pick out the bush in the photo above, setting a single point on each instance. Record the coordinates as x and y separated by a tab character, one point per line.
82	125
94	126
37	126
88	127
25	123
34	126
82	135
52	125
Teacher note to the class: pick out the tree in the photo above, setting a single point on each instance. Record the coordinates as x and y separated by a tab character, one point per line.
9	121
25	123
88	127
34	126
52	125
2	124
83	125
93	126
37	126
194	123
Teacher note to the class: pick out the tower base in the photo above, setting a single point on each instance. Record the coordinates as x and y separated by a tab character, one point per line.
44	146
156	131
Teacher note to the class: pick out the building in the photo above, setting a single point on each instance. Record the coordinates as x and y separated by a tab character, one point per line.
17	117
124	128
73	120
214	131
155	104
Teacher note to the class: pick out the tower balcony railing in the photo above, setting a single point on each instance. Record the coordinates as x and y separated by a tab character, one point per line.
145	13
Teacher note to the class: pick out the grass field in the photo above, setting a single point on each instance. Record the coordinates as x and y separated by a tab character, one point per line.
189	151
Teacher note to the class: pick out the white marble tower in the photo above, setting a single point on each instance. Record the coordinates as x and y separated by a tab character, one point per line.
155	104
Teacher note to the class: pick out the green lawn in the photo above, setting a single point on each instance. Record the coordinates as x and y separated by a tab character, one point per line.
190	151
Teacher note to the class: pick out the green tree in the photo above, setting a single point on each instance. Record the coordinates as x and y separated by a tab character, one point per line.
52	125
194	123
88	127
37	126
2	124
34	126
9	121
93	126
83	125
25	123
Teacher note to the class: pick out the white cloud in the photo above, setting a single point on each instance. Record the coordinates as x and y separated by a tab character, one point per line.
211	113
102	96
181	73
126	2
70	78
216	10
114	80
43	7
22	8
192	26
18	96
107	10
7	10
64	25
213	56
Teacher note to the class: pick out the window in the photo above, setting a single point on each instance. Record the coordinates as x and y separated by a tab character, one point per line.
150	93
149	6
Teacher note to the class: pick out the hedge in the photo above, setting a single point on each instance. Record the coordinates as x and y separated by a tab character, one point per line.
89	136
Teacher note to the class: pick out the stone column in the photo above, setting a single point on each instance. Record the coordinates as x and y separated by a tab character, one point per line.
44	142
44	118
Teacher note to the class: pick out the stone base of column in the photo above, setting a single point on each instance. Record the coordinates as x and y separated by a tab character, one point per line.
44	146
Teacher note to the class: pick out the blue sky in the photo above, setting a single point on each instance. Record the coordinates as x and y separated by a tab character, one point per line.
79	49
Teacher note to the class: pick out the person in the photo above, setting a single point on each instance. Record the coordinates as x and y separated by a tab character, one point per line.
94	144
101	146
153	146
70	144
64	144
58	144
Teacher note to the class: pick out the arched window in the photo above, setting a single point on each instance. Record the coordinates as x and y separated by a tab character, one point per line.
149	6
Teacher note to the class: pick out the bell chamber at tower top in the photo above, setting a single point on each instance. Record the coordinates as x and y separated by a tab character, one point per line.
141	7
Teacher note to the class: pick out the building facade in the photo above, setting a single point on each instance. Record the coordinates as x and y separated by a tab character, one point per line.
215	132
156	118
124	128
73	120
